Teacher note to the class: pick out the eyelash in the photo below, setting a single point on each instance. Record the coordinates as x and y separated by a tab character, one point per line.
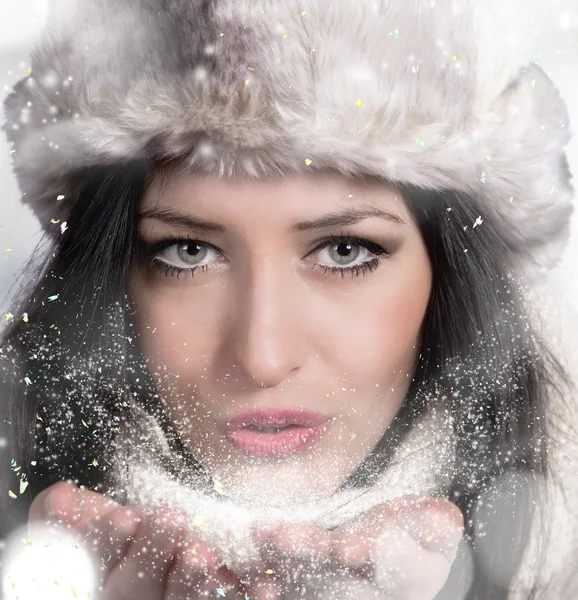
362	268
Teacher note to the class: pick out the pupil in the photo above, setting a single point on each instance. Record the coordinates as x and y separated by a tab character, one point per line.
192	249
346	251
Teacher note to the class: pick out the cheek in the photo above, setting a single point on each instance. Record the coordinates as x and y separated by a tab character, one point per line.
178	330
378	336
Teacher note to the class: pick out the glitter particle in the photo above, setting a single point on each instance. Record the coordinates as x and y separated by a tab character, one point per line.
12	495
359	102
308	161
199	520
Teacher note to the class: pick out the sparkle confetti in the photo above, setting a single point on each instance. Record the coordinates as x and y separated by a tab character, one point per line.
199	520
477	222
53	298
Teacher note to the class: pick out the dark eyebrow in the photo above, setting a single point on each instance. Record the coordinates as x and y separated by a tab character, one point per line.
182	220
347	217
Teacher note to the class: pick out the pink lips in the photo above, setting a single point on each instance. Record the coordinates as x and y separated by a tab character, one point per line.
302	430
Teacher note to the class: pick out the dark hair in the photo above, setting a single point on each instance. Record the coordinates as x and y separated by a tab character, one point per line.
71	368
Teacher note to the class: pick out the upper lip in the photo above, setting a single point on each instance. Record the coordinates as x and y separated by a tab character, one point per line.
276	418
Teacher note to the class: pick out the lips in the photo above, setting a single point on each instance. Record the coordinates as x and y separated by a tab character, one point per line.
301	430
276	418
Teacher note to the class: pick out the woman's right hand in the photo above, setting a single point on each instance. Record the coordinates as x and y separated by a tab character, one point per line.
141	557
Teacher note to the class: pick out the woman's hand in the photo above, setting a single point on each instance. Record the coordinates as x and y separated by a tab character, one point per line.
141	557
400	550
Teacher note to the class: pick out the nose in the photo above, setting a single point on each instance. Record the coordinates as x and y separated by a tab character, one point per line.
267	338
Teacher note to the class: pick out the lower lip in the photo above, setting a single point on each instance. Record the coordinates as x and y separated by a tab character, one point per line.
292	440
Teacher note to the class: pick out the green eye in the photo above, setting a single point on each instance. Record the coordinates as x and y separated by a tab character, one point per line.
191	253
187	254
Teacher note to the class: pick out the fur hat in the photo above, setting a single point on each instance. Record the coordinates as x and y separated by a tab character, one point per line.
415	91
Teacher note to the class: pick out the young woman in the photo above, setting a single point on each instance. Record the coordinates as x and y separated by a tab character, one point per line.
288	286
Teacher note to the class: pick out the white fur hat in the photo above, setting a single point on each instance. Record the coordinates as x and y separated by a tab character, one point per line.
415	91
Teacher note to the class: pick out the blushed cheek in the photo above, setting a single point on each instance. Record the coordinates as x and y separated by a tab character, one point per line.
380	343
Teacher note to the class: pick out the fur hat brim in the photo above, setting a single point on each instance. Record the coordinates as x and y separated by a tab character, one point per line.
399	90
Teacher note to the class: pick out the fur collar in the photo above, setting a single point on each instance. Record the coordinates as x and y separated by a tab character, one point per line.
422	464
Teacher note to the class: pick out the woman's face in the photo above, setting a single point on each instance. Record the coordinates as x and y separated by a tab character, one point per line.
303	293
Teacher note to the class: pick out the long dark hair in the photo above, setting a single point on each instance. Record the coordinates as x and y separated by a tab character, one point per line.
71	364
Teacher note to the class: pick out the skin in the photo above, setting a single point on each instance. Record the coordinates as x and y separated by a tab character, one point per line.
411	541
266	326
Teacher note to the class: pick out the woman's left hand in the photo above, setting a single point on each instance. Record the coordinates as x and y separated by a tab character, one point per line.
402	549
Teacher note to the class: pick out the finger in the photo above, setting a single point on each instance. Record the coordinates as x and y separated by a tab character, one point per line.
65	502
402	567
108	537
189	573
437	525
264	588
142	573
292	544
352	551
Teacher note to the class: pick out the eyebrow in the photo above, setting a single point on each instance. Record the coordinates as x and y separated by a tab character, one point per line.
348	216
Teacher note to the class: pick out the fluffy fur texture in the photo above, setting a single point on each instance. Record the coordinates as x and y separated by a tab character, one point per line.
423	464
409	90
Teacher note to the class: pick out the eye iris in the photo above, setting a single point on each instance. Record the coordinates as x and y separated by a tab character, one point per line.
191	252
345	252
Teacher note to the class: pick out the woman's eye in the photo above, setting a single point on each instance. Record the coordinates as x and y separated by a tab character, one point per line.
348	255
342	254
187	254
185	257
337	255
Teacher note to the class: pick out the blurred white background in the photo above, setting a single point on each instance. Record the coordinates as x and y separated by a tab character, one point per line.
549	28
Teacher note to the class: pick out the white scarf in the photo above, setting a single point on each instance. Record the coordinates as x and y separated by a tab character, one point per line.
422	464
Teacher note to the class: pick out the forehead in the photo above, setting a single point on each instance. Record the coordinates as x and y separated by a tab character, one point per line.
298	192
